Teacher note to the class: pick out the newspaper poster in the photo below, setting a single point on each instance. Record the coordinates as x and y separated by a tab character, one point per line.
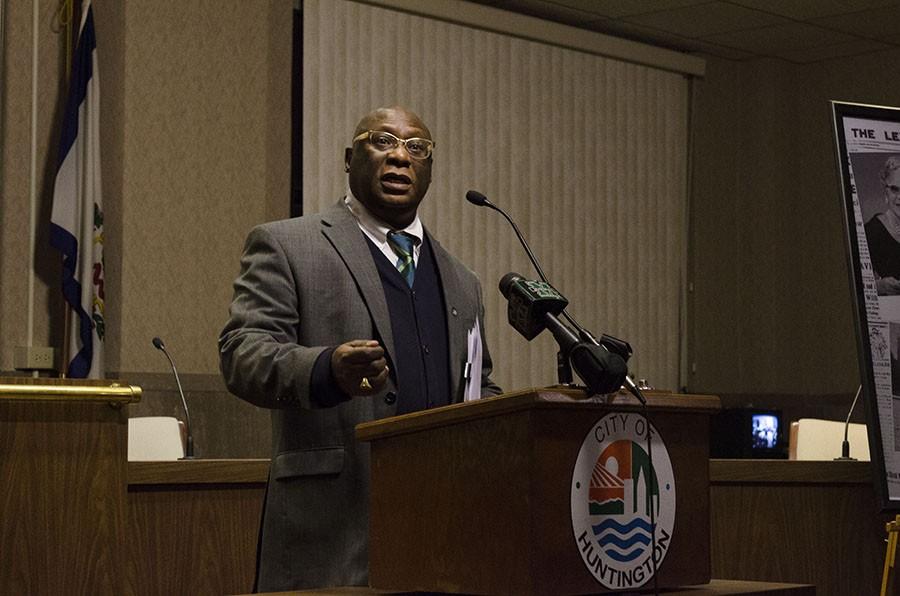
868	151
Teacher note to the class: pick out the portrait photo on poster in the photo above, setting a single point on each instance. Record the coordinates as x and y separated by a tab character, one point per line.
876	176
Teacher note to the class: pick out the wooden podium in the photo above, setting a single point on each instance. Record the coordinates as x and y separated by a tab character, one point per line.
476	497
63	485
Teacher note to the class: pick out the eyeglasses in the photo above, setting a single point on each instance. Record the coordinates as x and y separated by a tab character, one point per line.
892	188
385	141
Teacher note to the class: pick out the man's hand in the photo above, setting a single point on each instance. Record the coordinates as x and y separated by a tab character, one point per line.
357	360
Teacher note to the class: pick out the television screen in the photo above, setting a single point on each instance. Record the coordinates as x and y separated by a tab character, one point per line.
765	431
748	433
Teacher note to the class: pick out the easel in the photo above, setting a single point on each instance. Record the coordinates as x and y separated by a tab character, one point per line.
890	556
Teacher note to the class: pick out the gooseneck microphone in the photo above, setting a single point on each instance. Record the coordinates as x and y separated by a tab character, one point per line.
613	344
845	445
189	448
476	198
610	343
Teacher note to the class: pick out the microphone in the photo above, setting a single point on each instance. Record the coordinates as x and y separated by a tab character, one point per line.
613	344
534	306
528	302
476	198
189	448
845	445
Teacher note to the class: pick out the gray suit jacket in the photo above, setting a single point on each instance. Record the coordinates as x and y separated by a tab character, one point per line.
307	284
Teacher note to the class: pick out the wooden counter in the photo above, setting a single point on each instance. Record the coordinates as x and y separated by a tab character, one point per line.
192	526
797	521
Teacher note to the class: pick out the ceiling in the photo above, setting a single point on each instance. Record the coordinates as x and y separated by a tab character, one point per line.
799	31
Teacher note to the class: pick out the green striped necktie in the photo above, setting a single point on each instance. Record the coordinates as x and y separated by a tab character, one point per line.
402	244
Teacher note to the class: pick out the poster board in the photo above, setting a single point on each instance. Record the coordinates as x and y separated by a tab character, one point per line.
868	155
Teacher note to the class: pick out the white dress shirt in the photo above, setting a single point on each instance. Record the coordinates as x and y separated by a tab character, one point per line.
376	230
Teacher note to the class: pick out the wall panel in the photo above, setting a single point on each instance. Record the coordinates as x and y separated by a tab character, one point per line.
206	155
771	311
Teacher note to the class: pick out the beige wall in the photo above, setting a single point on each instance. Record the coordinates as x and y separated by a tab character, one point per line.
196	131
15	179
771	311
206	155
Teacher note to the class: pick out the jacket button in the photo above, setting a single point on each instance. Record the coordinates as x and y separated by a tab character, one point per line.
390	398
454	312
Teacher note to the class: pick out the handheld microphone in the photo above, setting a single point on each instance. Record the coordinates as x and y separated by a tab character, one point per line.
189	448
534	306
529	301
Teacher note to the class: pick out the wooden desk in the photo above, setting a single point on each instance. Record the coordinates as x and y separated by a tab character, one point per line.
797	521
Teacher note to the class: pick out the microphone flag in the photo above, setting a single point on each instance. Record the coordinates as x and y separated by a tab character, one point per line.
76	221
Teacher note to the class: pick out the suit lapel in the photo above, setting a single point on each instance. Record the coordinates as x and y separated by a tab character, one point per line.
342	231
456	301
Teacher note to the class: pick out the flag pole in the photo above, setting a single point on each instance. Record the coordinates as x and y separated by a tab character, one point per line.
69	26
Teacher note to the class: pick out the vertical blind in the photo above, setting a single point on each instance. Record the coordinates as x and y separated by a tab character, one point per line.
588	154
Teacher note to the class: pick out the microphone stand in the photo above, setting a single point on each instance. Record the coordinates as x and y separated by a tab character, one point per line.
564	369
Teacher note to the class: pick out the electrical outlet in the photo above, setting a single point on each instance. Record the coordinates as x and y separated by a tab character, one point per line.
34	358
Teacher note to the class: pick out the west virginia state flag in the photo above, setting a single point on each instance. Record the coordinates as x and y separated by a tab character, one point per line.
76	227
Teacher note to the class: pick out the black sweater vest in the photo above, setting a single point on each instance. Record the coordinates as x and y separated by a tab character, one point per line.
419	324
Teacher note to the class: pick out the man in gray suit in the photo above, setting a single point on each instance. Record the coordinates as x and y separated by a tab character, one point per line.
342	317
